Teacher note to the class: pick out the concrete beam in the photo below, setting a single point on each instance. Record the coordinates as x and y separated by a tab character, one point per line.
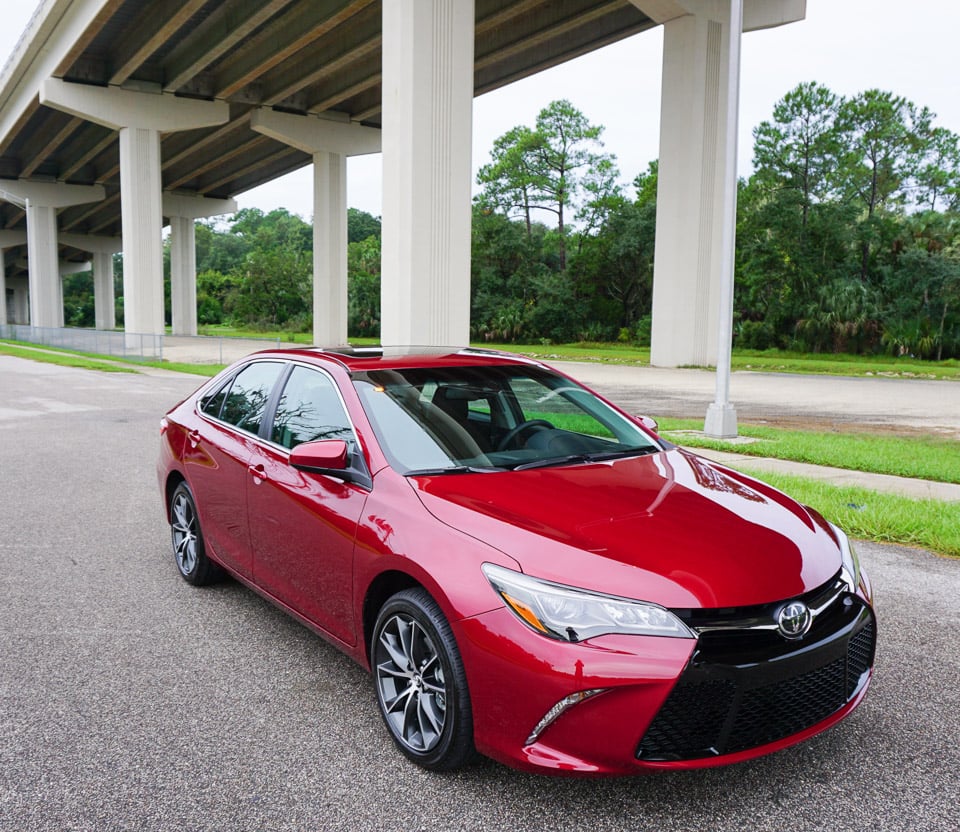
74	267
116	108
9	239
196	207
313	134
757	14
50	194
92	243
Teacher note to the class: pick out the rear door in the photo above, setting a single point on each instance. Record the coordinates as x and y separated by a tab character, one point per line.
216	463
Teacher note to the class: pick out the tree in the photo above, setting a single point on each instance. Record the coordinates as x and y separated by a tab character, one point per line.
510	180
361	225
614	267
882	136
267	231
798	150
938	173
557	167
273	288
363	280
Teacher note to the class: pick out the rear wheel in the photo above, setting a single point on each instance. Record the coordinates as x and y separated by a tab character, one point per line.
420	683
187	539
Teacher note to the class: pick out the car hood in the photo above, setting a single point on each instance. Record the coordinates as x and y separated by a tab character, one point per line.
671	528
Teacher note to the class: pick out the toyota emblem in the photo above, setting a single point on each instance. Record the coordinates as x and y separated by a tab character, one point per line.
794	620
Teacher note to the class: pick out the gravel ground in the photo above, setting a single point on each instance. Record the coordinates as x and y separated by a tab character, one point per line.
131	700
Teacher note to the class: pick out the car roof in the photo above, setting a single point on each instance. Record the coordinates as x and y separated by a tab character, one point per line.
360	359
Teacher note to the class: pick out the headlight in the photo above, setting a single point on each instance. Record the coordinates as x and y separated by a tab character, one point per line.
570	614
850	569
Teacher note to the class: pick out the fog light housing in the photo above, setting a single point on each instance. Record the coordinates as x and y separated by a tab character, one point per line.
562	706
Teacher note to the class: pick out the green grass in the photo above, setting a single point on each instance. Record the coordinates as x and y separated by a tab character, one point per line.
771	361
921	456
93	361
64	359
885	518
768	361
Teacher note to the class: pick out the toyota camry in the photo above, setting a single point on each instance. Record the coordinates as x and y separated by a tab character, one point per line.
527	571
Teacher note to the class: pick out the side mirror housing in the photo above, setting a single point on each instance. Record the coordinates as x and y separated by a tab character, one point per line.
332	458
649	423
322	456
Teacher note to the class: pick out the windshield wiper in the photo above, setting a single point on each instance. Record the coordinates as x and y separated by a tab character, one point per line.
455	469
599	456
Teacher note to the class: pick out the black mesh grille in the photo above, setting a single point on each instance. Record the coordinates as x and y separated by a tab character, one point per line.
720	708
776	711
860	657
690	719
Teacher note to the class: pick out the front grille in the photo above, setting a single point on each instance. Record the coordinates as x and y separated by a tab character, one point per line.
723	704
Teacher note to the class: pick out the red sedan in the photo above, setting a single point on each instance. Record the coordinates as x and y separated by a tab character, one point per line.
527	571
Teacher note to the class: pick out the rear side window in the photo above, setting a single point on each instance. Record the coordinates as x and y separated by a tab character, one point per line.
309	409
249	394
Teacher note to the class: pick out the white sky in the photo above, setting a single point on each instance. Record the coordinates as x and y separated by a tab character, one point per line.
908	48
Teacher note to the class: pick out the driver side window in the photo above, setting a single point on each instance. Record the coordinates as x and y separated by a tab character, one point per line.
309	409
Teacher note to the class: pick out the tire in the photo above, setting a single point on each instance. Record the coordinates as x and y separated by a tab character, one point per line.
420	683
189	552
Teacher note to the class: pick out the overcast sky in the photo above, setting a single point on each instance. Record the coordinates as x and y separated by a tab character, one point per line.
908	48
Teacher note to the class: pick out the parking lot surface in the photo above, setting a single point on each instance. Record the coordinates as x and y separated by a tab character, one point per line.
131	700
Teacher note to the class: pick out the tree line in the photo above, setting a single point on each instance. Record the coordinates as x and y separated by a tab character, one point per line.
848	239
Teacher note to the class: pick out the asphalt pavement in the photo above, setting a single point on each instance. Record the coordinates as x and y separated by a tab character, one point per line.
131	700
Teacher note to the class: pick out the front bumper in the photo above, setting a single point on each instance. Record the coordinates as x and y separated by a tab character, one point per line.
667	702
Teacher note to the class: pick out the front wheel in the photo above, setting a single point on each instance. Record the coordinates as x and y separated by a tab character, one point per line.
188	548
420	683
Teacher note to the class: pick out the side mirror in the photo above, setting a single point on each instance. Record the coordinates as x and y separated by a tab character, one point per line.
323	456
649	423
332	458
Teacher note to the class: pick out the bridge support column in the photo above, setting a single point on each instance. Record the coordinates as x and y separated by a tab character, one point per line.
330	142
427	132
182	211
102	249
8	240
41	201
698	122
140	117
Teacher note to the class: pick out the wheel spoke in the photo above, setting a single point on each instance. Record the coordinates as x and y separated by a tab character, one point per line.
428	708
405	635
395	650
390	669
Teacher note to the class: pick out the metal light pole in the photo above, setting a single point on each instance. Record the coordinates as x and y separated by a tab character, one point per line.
721	420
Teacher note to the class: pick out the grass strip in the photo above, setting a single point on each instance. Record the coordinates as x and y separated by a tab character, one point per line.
924	456
866	514
770	361
63	359
107	363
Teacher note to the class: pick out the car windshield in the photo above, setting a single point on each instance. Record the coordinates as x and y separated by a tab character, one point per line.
491	418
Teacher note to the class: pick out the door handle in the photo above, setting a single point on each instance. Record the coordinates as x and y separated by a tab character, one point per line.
258	472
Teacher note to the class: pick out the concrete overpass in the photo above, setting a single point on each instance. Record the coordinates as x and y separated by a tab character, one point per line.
120	116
